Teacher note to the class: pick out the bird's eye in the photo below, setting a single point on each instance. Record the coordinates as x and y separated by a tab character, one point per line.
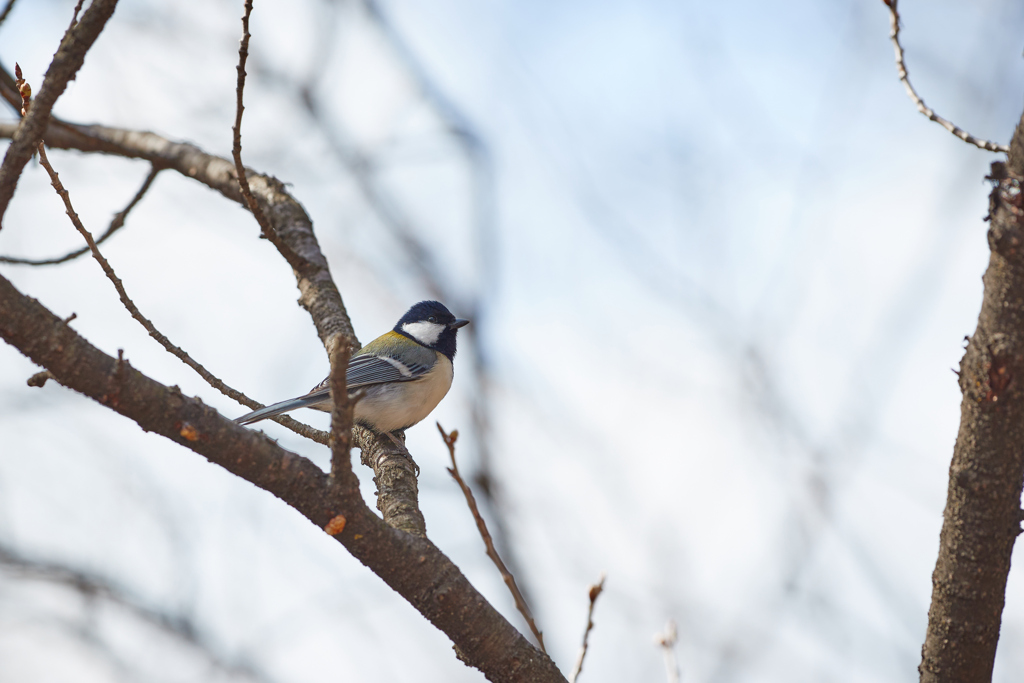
432	319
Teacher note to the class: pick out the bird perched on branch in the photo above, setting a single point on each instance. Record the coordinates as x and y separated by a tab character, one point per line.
404	373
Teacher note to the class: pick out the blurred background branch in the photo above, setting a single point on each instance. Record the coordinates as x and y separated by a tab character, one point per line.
720	272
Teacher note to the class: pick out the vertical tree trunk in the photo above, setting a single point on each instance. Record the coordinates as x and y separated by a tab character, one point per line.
982	516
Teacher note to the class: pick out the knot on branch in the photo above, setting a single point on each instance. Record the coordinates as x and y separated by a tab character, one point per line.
115	381
1006	213
989	367
40	378
1000	376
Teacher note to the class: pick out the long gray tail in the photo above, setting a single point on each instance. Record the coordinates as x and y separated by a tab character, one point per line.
311	399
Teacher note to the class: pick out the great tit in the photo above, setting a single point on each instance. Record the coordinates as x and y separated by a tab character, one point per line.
404	373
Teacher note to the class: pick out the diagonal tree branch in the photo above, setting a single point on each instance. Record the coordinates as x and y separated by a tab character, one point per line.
319	296
481	525
180	353
411	565
318	293
418	257
7	10
66	63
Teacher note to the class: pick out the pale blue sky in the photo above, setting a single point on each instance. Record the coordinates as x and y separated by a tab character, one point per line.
732	269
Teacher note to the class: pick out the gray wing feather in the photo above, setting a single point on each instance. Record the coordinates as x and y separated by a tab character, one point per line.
362	371
313	398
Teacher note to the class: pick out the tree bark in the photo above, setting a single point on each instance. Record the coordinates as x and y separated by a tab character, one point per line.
410	564
983	512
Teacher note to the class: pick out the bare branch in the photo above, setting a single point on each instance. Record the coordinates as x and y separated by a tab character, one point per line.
236	152
210	378
116	224
419	257
66	62
411	565
594	591
506	575
667	642
901	69
74	16
318	293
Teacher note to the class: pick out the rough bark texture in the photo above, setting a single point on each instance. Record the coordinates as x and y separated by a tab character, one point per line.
982	515
394	474
410	564
407	562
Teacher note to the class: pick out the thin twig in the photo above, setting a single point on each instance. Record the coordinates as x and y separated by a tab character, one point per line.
74	17
65	65
510	581
296	426
7	10
116	224
901	69
595	590
419	258
294	260
667	642
319	295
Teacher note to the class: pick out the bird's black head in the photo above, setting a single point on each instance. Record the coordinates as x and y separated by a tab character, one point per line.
431	324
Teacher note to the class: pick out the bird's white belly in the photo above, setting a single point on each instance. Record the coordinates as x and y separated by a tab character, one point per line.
387	407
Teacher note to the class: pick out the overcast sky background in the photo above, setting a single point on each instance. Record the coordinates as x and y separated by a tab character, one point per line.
723	270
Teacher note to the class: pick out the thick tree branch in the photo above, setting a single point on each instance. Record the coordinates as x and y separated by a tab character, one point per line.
178	352
318	294
982	515
411	565
66	63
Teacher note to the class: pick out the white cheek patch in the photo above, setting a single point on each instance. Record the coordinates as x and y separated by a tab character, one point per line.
424	332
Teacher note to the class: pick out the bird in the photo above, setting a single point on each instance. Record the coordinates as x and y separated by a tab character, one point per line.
403	373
